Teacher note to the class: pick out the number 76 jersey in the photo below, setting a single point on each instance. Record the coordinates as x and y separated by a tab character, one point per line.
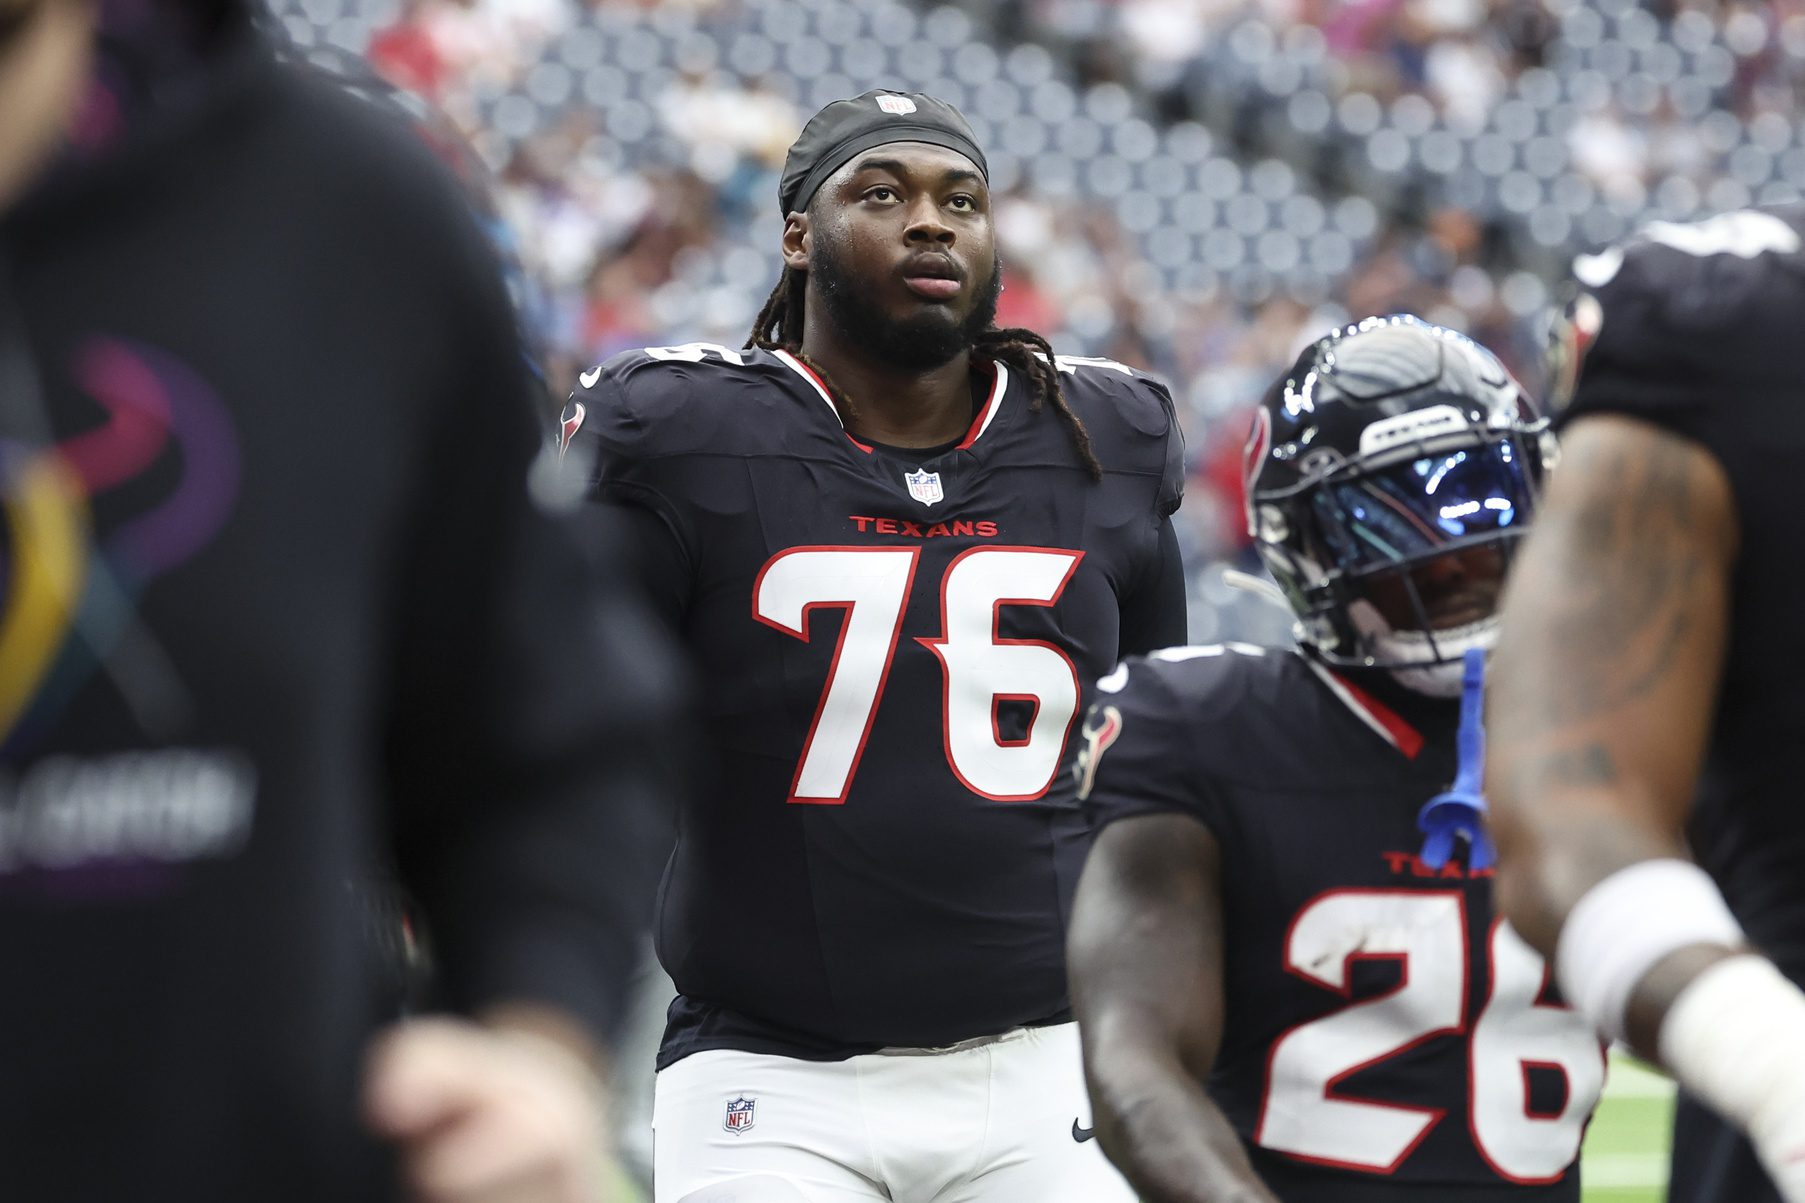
1386	1036
893	652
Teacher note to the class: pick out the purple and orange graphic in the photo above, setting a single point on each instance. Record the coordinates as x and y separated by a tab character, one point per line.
68	595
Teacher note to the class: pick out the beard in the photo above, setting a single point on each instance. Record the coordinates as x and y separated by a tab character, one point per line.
926	340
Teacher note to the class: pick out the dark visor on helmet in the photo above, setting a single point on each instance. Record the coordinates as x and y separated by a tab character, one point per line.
1383	517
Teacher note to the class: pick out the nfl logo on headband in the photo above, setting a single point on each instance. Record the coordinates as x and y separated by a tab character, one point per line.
898	106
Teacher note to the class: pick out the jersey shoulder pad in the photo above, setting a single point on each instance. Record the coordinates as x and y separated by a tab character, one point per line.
1209	683
1131	418
1678	308
662	401
1158	736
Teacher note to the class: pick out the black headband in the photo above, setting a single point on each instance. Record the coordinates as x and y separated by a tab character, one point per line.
846	127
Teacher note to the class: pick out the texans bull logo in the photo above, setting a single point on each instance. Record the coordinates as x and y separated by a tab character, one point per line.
1102	726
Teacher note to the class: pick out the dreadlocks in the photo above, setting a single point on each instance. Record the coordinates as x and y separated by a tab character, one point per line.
779	327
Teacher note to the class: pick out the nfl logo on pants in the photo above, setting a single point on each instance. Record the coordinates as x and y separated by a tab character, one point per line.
739	1114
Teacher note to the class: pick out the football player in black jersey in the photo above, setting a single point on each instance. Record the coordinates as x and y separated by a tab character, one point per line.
900	543
1285	991
1651	690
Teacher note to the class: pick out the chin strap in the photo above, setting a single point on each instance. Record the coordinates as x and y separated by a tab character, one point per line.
1259	586
1461	810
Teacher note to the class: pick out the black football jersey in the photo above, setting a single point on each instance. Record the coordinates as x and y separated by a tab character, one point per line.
894	656
1386	1035
1696	335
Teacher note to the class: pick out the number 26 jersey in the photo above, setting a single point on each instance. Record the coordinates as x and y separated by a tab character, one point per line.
892	655
1386	1037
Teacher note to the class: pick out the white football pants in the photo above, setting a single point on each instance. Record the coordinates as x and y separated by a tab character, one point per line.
993	1120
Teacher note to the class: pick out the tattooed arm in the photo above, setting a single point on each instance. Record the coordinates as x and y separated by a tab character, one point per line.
1606	679
1614	633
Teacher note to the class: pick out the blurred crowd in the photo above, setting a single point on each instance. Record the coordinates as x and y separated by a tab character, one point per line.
1564	121
1458	53
636	145
1650	70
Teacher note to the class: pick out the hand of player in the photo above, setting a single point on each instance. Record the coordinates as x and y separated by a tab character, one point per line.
488	1116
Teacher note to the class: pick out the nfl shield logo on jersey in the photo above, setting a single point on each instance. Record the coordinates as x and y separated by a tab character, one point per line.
739	1114
924	486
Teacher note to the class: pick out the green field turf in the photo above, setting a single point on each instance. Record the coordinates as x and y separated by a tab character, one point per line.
624	1191
1625	1158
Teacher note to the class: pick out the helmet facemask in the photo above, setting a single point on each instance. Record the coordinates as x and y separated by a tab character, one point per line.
1397	561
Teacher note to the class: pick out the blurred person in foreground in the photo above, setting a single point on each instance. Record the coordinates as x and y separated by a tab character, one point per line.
277	607
901	542
1286	992
1650	700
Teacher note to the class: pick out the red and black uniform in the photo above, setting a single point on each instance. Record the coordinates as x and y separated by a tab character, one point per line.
896	647
1386	1038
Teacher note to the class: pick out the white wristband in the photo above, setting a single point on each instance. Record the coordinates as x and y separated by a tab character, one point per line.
1625	924
1736	1037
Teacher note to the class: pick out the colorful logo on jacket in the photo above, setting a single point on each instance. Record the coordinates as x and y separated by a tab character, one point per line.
739	1115
68	593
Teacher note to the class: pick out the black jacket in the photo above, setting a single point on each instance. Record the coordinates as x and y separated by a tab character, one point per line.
275	608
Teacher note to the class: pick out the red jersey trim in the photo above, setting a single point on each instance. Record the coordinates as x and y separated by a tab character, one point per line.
999	384
1384	721
820	387
998	387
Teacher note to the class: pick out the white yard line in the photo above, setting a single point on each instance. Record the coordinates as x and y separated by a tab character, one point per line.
1632	1080
1623	1171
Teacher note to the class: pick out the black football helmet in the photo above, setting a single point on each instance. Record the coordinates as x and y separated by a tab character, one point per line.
1389	472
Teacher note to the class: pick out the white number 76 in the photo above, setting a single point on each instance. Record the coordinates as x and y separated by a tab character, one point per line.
872	585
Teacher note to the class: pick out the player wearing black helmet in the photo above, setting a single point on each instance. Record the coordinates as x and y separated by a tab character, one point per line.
1390	556
1289	977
